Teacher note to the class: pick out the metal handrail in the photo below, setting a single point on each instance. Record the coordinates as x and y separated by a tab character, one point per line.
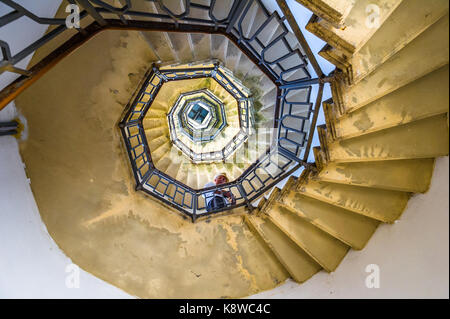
293	82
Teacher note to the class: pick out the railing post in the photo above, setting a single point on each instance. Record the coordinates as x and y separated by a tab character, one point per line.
92	12
244	194
140	185
313	122
236	13
194	207
8	128
299	35
276	115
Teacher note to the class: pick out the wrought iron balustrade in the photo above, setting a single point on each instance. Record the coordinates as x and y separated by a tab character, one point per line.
263	36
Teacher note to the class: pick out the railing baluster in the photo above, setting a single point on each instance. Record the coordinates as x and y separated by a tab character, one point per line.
92	12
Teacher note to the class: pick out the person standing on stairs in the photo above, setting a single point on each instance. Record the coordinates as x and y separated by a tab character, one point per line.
219	198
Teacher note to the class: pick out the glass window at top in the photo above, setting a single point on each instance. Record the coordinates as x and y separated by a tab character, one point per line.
198	113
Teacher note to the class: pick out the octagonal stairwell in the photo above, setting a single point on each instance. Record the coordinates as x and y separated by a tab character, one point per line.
166	155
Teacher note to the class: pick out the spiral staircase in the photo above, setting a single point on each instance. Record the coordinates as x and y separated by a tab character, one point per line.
386	123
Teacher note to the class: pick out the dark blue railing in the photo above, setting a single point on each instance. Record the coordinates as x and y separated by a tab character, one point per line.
263	36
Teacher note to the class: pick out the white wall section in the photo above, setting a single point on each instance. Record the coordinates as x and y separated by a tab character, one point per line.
31	264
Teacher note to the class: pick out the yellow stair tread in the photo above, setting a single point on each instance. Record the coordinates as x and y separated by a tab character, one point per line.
380	204
409	20
334	11
353	229
402	68
325	249
425	138
356	30
297	262
425	97
401	175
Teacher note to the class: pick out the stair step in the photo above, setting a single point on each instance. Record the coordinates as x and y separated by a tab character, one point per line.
253	73
339	59
425	138
155	142
319	157
232	57
358	28
322	247
243	66
155	113
270	104
160	152
173	168
330	113
219	45
269	98
205	174
192	180
151	122
295	75
423	98
266	85
334	11
202	45
400	175
431	48
155	132
162	161
158	42
379	204
254	21
183	172
324	137
241	159
159	105
170	91
409	20
181	43
290	183
300	266
232	170
352	229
